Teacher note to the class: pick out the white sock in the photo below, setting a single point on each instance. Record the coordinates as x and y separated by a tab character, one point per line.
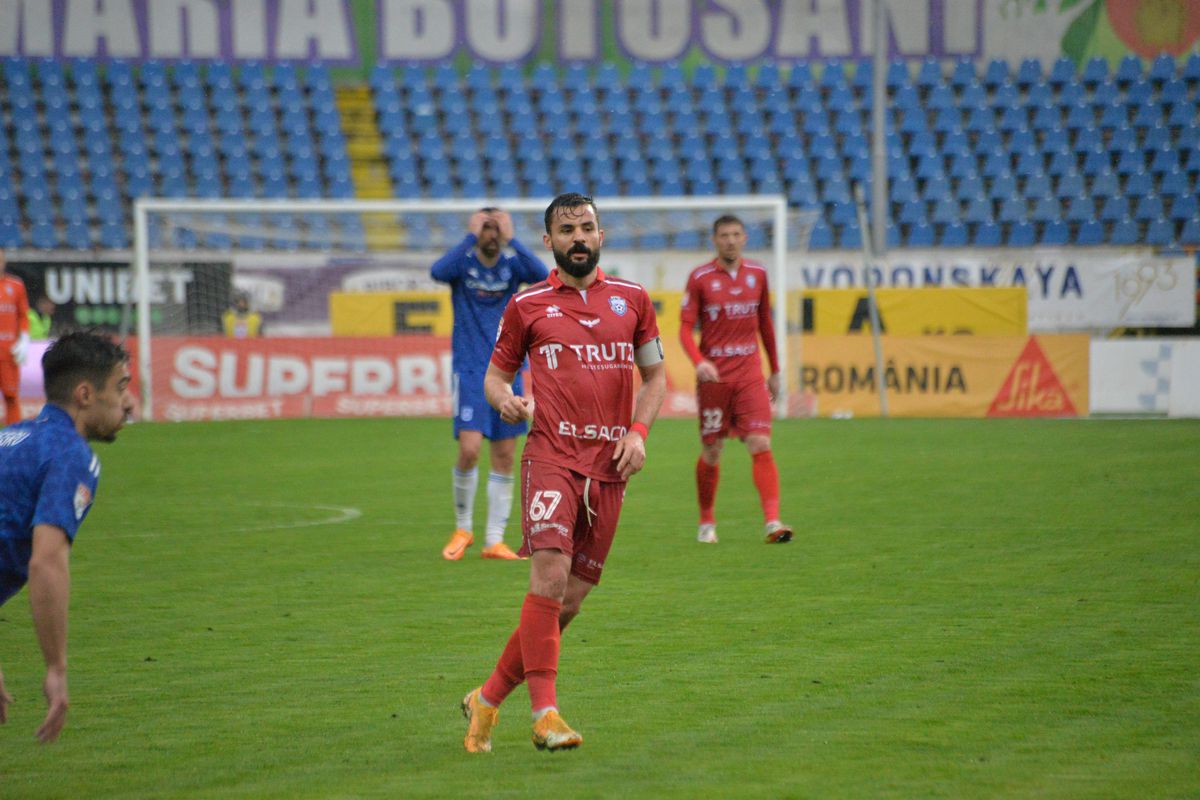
541	712
464	497
500	497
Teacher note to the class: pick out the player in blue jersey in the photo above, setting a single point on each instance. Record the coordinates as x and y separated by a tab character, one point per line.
48	478
482	278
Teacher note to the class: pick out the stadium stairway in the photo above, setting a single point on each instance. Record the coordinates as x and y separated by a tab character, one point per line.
368	165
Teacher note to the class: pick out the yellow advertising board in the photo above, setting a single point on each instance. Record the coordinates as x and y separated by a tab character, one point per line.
390	313
990	311
944	376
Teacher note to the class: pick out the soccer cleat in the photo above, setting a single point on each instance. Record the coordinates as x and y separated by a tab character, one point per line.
458	544
480	721
501	551
777	533
707	533
551	732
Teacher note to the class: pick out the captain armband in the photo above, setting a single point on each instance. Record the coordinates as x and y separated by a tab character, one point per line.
649	354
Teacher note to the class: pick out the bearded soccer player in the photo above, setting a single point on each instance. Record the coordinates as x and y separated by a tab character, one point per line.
14	340
482	280
584	334
48	479
728	299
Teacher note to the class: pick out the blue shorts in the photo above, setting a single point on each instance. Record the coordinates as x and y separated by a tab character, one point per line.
472	412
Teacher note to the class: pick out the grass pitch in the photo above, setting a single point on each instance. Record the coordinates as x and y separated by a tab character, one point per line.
971	609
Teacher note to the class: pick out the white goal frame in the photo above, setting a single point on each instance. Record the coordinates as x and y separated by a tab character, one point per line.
145	206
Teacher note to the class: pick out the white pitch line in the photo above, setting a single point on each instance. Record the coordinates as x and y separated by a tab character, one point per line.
344	514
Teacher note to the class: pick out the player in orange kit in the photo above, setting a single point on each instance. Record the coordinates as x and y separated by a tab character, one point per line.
14	340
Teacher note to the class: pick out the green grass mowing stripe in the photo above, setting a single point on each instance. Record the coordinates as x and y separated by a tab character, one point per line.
971	608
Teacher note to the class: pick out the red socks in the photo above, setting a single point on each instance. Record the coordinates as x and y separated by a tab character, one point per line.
540	639
509	672
766	478
706	489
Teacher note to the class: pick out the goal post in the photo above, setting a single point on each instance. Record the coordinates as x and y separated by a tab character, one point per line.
178	231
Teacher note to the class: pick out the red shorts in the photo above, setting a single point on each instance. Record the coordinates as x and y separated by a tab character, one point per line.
10	378
733	409
554	515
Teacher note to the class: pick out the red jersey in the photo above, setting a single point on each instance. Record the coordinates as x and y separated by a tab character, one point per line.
581	347
14	313
734	311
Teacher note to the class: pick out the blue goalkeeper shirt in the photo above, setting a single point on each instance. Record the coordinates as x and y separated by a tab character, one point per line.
48	476
479	294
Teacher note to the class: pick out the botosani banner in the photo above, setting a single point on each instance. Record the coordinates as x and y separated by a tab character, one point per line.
359	33
946	376
1069	289
211	378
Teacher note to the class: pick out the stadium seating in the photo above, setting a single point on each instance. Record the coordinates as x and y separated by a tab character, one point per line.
987	154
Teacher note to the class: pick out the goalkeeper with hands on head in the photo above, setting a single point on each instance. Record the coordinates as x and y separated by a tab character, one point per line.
482	279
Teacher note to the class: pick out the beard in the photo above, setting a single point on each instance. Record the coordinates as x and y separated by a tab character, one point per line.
574	268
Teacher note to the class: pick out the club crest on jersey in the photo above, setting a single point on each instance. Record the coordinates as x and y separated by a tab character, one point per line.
83	499
750	281
618	305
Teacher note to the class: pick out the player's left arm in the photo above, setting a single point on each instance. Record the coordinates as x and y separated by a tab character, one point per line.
766	330
630	453
532	269
49	598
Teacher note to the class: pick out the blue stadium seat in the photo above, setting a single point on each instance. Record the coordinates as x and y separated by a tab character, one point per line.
1029	73
954	235
1124	232
1104	183
1160	232
1046	209
1022	234
1184	208
1190	235
1080	209
1138	185
1094	72
1091	232
1055	232
987	234
1114	209
1128	70
1148	208
1175	184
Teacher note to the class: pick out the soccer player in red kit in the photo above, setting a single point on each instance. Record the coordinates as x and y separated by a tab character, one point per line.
728	298
14	341
584	333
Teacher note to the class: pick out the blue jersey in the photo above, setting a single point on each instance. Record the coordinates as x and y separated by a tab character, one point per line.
480	294
48	476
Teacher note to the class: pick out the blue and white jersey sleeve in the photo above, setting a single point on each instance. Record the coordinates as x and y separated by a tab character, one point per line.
449	267
68	489
530	268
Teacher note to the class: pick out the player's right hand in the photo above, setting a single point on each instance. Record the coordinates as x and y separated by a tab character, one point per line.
516	408
20	348
5	699
706	371
55	689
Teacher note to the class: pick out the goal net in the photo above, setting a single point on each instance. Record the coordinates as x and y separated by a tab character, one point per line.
274	308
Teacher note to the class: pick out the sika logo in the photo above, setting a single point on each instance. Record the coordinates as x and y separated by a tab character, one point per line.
1032	389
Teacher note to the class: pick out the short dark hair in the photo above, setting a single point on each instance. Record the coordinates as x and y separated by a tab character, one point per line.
727	219
569	200
79	356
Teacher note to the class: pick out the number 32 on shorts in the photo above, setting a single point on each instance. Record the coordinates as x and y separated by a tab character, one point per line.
710	420
543	503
